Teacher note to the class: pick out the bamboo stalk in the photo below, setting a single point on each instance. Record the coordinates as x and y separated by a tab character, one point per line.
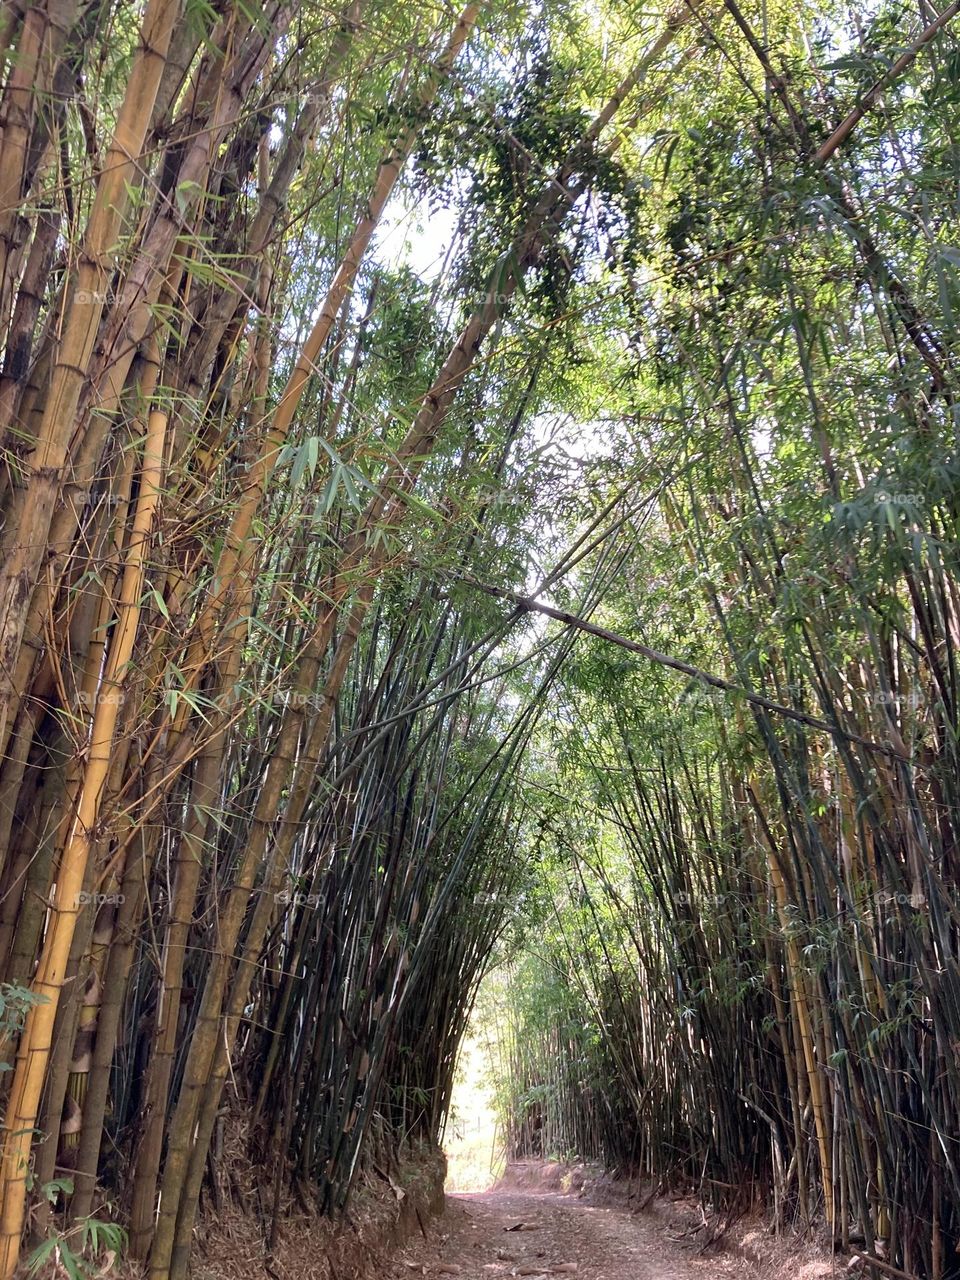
35	1042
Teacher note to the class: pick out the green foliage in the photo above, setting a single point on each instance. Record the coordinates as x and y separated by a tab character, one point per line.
15	1003
89	1250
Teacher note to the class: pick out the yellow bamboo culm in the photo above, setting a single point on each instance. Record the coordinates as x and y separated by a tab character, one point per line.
36	1040
33	511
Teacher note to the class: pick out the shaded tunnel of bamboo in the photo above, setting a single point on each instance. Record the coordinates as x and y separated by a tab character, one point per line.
270	786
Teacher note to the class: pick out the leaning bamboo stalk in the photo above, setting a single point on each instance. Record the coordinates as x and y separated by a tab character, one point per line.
170	1240
204	794
227	87
223	308
32	510
133	892
204	1043
95	953
160	1070
258	476
136	862
101	605
64	523
843	130
130	319
35	1042
300	791
282	418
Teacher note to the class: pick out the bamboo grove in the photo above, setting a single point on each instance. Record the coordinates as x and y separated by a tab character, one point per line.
739	967
279	738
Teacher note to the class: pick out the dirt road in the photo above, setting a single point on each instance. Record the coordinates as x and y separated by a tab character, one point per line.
542	1233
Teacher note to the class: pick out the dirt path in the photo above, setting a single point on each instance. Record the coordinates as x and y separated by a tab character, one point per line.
478	1238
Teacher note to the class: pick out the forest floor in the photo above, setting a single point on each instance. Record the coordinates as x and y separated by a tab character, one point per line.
532	1232
541	1233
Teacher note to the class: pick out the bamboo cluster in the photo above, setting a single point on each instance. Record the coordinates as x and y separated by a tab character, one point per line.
254	776
759	921
265	746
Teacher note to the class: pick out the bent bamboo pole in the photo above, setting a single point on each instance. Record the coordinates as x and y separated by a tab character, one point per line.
388	172
36	1040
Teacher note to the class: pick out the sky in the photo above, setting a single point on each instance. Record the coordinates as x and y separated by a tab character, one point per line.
413	234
